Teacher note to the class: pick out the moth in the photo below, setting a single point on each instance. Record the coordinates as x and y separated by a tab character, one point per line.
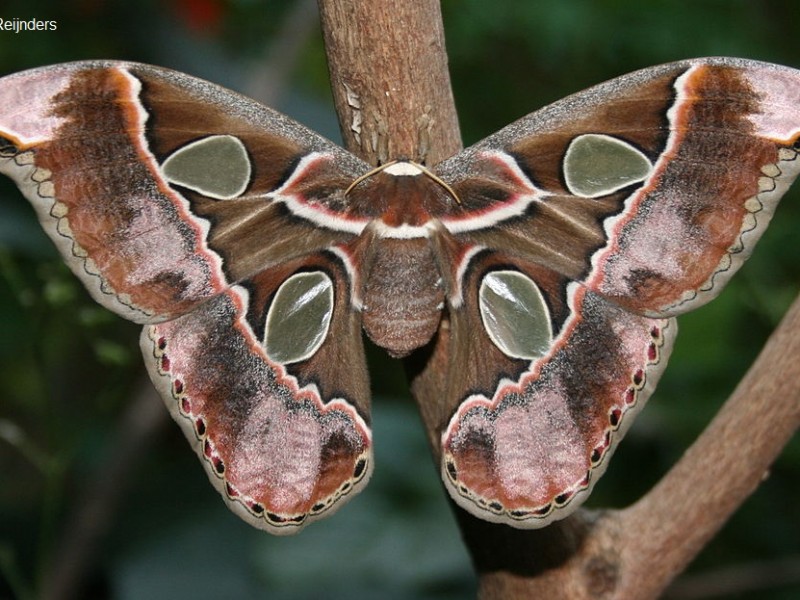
557	251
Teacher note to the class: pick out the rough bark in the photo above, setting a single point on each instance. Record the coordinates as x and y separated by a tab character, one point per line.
389	78
389	75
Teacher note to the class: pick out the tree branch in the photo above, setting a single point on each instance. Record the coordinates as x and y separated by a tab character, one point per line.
389	78
721	469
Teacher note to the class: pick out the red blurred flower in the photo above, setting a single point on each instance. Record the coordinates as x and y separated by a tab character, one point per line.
203	16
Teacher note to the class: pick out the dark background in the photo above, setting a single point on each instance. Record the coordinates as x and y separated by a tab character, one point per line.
69	370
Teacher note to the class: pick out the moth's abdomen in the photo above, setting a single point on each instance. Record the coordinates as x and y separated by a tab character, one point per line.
403	296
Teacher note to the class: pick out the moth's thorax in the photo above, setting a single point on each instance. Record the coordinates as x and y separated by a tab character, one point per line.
402	198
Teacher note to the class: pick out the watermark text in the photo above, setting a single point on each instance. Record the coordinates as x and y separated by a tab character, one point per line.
18	25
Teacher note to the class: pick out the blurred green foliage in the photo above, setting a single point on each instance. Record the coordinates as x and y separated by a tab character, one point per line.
69	369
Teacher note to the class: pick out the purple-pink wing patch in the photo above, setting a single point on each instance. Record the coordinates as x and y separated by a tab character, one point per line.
535	447
278	452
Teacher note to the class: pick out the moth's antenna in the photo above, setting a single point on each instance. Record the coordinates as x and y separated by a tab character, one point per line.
369	174
440	181
421	168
